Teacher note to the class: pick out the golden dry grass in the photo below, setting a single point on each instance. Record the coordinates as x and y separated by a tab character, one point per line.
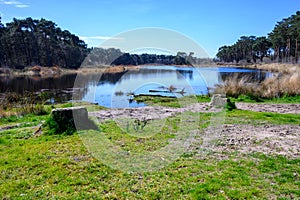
280	84
284	68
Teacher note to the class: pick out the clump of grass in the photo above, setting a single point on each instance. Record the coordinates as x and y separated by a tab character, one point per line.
277	86
236	86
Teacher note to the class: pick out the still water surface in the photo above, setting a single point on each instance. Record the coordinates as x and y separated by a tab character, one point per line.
114	90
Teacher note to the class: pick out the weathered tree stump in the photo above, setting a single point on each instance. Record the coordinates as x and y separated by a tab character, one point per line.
73	118
218	101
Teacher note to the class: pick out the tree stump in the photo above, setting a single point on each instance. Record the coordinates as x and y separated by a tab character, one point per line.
72	119
218	101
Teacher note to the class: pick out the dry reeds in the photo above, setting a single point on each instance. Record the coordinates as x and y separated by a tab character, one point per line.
283	68
277	86
16	104
115	69
236	86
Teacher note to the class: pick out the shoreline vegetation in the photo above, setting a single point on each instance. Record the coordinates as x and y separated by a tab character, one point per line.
284	82
282	68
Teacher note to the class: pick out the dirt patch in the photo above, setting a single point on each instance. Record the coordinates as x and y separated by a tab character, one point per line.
150	112
277	108
159	112
268	139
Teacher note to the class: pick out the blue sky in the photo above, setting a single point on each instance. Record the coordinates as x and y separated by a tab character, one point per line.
211	23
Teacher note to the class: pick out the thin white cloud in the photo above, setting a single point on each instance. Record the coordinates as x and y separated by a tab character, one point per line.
11	2
99	38
15	3
22	6
96	41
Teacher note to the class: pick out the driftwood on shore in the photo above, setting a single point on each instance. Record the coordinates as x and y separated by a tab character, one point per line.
153	95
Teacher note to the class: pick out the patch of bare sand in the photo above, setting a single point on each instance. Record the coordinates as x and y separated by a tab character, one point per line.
267	139
276	108
150	112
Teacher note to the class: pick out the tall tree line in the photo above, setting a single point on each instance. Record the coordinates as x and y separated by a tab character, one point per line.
112	56
28	42
281	45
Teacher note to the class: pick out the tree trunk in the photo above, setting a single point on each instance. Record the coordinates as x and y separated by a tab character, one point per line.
296	51
288	50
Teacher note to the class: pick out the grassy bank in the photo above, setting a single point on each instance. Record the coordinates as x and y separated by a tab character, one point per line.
61	167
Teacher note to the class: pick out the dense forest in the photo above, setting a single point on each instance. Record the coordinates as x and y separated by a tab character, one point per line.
181	58
281	45
29	42
99	56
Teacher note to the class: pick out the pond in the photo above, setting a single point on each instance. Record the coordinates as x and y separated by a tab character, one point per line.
116	90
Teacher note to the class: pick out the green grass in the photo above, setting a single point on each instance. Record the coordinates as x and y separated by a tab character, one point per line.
139	141
89	106
251	117
32	119
62	167
284	99
26	120
172	102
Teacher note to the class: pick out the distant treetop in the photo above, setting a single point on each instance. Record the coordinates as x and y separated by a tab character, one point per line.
281	45
29	42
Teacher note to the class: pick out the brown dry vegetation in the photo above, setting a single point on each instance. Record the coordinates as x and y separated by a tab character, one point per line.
284	68
280	84
13	104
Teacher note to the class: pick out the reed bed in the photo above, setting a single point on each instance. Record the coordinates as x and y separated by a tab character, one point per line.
13	104
281	84
283	68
